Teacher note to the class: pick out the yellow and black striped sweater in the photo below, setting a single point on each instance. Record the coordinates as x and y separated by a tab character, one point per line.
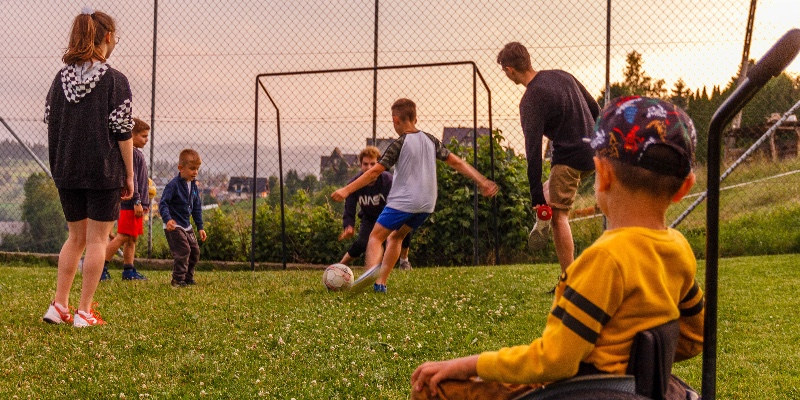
629	280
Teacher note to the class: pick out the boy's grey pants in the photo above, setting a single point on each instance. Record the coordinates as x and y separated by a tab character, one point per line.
184	249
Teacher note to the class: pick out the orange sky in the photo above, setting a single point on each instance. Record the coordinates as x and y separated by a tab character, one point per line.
209	55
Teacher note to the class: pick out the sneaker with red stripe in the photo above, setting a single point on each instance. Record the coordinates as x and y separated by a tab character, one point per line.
56	314
84	319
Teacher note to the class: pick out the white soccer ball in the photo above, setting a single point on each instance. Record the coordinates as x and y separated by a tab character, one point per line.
337	277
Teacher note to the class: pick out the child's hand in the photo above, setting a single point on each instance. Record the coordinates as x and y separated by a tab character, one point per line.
428	375
202	233
138	211
339	195
347	233
489	188
171	225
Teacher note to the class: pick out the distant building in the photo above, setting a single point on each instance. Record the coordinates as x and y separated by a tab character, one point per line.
783	144
335	160
381	143
242	186
462	135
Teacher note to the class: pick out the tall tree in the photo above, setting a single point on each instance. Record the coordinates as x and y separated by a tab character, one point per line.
680	94
635	79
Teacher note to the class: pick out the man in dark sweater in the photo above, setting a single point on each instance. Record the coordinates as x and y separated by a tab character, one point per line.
556	106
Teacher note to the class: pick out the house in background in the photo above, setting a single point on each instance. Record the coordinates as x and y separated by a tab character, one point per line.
241	187
462	135
336	160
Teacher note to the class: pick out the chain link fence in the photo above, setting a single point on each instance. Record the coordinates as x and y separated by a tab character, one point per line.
192	64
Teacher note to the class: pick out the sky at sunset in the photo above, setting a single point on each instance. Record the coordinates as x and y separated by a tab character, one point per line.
210	52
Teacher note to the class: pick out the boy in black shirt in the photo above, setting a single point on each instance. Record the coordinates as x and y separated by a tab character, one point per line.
371	199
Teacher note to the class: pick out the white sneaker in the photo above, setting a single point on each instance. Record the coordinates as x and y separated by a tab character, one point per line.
57	315
366	279
404	265
84	319
539	236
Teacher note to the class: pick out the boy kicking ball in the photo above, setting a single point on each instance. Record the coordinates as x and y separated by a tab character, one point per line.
413	194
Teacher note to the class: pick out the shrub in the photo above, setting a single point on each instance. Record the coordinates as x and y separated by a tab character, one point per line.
45	229
447	238
229	235
311	232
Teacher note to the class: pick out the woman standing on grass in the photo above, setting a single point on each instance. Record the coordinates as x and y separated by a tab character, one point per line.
88	117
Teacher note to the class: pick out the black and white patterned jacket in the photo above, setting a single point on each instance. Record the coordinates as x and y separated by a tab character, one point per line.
88	111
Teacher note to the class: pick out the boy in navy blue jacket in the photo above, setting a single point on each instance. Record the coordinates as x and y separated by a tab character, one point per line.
179	202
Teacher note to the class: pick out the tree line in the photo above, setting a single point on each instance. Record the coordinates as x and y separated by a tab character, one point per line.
780	94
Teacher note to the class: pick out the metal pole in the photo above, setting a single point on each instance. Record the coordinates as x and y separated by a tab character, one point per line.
375	80
607	97
608	52
748	35
771	64
152	126
28	149
280	171
494	199
255	172
475	159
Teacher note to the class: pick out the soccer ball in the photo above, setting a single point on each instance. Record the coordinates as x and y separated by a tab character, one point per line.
337	277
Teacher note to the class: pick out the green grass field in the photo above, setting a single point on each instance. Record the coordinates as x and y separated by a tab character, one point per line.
280	334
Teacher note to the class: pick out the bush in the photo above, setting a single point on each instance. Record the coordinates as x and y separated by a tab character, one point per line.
45	229
228	233
311	232
447	238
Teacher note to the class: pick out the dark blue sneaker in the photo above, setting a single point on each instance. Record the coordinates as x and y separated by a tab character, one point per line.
378	288
105	276
132	275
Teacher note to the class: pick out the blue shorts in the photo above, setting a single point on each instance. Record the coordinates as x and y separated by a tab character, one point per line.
394	219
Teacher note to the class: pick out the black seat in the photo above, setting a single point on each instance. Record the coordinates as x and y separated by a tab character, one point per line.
652	354
648	373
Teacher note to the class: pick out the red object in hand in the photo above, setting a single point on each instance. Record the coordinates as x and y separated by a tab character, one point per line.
544	212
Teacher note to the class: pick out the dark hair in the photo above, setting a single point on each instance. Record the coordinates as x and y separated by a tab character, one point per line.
516	56
405	109
88	32
640	179
139	126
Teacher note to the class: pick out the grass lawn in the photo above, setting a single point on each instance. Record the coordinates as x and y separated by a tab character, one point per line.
280	334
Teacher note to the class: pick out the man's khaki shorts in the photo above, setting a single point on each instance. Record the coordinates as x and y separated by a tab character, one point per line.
563	185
